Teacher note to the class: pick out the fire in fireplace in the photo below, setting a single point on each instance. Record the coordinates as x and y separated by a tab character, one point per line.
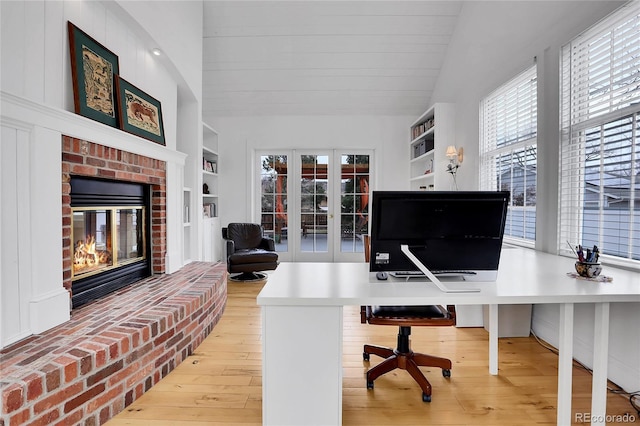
94	239
110	224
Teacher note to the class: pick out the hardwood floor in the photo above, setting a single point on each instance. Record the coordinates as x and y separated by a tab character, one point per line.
220	384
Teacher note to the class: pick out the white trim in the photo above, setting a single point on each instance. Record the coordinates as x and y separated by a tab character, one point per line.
24	113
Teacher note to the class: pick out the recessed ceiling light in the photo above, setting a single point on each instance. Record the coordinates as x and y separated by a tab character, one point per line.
157	51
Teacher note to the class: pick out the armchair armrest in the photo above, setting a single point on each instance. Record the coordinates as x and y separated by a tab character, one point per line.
268	244
231	247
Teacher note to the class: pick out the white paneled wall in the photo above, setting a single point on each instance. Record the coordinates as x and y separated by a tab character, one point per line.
13	232
32	298
35	54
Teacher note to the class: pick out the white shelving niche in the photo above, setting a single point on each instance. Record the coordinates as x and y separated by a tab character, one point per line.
187	212
211	230
429	137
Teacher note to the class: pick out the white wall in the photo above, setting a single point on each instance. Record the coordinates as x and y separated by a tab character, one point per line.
37	109
241	136
493	42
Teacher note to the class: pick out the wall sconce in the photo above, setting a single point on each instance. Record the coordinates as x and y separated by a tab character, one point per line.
455	159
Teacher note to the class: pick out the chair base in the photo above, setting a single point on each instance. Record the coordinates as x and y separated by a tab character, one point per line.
405	359
248	276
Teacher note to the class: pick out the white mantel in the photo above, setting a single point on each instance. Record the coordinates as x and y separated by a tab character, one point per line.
32	296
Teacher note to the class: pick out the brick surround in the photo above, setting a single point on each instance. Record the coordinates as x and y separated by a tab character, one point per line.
88	369
83	158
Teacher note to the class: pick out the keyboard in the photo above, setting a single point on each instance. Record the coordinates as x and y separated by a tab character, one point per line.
409	274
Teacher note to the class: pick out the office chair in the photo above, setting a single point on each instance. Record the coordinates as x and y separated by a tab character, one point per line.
402	356
248	252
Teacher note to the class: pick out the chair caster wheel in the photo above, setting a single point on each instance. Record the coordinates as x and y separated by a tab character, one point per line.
369	385
425	397
446	373
365	356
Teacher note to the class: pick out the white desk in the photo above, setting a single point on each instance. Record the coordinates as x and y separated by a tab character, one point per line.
302	307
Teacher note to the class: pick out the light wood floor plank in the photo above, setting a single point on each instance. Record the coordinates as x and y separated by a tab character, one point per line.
221	383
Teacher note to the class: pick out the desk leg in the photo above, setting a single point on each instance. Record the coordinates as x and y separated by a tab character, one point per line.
600	359
565	364
493	339
301	365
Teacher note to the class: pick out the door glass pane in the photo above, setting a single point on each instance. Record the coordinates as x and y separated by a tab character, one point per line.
273	199
93	244
313	202
354	202
130	234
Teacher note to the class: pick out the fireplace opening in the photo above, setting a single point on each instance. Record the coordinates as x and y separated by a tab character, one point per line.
109	234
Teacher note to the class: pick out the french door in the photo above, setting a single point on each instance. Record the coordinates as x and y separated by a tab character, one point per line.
315	204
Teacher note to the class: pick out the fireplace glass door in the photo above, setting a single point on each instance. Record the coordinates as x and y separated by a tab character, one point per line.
105	238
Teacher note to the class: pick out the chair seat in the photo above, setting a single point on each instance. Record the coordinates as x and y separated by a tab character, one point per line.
429	311
246	256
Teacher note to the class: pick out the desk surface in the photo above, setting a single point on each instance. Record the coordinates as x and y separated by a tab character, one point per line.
524	276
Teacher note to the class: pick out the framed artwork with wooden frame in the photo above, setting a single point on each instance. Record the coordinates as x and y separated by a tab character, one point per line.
140	114
93	69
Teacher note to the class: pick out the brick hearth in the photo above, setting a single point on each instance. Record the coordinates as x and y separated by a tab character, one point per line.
112	351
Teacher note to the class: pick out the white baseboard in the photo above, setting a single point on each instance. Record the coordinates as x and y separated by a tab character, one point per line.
49	310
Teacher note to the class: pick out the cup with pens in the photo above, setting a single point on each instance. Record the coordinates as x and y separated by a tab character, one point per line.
587	264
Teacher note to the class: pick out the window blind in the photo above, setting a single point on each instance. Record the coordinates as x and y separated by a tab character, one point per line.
508	150
600	143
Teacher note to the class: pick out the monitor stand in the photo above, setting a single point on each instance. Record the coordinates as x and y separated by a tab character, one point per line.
405	249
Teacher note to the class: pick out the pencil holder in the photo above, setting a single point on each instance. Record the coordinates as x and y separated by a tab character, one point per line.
588	269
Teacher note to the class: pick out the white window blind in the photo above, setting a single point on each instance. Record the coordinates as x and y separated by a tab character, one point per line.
508	150
600	146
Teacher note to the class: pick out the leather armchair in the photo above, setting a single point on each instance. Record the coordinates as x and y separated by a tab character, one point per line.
248	251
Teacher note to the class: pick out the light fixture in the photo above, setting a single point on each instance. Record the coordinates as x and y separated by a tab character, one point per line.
455	159
156	51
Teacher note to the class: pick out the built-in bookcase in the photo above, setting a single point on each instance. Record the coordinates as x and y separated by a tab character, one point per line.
211	229
429	137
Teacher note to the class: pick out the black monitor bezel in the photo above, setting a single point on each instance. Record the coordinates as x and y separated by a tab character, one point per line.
488	247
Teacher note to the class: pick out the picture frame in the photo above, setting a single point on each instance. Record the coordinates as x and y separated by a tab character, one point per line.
140	113
93	70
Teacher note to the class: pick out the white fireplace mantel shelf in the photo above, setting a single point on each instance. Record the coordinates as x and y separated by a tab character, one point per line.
25	113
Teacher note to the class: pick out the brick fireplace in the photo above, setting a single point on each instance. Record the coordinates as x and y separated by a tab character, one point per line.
88	159
112	350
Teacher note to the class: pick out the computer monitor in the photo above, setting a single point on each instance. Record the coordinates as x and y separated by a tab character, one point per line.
453	233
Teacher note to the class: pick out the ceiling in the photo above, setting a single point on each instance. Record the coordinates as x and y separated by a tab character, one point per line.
323	57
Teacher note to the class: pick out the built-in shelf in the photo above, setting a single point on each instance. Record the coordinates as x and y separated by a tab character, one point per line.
425	176
187	216
429	136
422	157
211	229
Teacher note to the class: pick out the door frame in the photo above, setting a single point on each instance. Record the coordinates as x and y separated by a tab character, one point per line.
294	233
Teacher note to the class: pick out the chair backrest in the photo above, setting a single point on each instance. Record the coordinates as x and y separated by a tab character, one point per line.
444	316
366	240
245	235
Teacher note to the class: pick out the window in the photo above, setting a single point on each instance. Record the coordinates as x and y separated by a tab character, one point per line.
508	150
354	201
273	199
600	146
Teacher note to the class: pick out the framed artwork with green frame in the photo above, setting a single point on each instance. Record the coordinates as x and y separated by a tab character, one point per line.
140	113
93	69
